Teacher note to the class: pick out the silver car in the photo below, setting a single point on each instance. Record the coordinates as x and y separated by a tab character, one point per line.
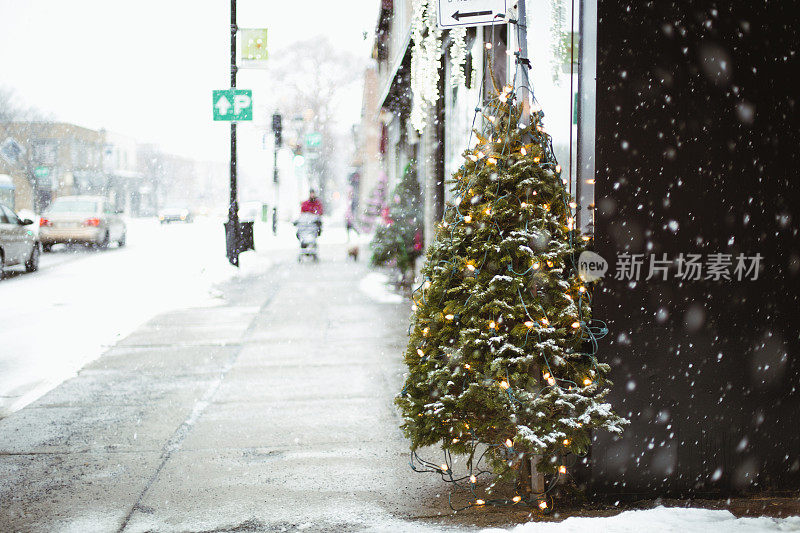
175	213
81	219
18	243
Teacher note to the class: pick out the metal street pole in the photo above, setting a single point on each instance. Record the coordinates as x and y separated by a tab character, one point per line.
277	130
233	233
277	190
531	480
522	60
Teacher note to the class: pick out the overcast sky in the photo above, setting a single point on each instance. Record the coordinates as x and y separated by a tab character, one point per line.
146	68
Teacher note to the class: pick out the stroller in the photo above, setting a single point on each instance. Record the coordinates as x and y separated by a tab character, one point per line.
309	227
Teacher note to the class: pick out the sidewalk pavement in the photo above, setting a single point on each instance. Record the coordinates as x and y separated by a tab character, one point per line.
272	412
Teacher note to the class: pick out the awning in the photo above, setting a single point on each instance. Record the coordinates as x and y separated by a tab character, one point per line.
396	94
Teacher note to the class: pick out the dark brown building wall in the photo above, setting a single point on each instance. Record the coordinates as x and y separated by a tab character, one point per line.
697	152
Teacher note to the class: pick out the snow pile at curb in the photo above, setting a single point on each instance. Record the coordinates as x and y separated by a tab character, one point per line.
374	285
661	520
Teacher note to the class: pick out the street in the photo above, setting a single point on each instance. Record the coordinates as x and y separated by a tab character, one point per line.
83	301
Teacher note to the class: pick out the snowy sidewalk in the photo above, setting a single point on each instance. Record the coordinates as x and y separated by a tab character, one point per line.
274	410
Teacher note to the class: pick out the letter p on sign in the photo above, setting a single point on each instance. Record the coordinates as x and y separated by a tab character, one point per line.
240	103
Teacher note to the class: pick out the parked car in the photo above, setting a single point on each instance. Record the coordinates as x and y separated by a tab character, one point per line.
177	212
18	242
82	219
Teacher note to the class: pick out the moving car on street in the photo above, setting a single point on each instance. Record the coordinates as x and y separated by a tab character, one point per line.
177	212
81	219
18	242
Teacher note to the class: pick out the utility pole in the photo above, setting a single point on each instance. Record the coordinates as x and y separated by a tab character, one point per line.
277	129
522	60
531	481
233	231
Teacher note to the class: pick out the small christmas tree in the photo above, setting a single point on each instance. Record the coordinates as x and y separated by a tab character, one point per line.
497	355
398	240
376	203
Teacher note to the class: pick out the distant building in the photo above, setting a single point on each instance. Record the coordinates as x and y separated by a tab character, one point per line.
366	162
59	159
167	177
125	185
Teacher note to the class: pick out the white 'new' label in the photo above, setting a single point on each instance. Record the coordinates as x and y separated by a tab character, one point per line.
591	266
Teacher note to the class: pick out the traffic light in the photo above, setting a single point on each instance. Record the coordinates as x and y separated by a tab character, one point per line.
277	129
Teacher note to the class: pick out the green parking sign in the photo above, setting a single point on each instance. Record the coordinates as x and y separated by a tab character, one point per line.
313	139
233	105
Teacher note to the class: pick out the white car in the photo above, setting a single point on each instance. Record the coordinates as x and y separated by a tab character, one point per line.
175	213
81	219
18	242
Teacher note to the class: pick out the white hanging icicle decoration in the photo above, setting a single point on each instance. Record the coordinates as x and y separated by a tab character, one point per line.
458	56
558	33
426	60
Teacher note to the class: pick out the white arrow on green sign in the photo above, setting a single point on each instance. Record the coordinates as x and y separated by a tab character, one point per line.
313	139
233	105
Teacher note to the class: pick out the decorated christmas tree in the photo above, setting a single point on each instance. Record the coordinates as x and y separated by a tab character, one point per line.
501	356
398	240
375	204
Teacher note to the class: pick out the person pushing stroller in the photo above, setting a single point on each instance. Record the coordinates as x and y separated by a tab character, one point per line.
309	226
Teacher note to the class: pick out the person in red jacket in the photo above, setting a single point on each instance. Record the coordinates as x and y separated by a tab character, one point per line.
312	205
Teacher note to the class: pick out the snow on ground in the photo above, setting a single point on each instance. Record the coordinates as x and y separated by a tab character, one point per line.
661	520
375	286
82	301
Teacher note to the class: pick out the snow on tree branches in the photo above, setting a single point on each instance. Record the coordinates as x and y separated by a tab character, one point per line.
502	347
398	241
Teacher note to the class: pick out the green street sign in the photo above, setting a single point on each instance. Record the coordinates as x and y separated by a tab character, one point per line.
41	172
233	105
313	140
254	44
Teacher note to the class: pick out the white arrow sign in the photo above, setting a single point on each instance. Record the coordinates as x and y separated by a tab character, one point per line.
222	105
455	13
